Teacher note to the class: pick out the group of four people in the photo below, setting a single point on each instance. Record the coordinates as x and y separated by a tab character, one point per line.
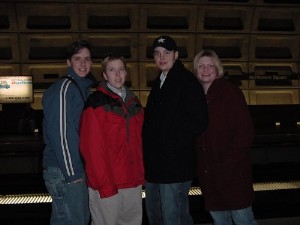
101	148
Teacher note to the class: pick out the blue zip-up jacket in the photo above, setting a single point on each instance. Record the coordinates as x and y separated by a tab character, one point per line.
62	105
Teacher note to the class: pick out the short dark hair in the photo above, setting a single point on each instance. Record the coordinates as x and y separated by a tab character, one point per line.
76	46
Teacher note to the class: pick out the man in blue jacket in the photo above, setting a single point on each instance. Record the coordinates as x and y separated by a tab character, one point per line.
64	173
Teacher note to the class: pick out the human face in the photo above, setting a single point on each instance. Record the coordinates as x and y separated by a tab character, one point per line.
115	73
81	62
164	59
206	70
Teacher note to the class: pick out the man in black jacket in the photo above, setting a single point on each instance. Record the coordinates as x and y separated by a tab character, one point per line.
175	114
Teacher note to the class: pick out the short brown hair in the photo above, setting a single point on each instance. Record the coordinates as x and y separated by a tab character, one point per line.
109	57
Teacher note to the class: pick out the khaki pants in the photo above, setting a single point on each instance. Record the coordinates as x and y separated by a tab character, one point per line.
125	208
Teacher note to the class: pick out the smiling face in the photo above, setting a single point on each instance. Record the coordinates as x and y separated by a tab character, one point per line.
81	62
206	71
164	59
115	73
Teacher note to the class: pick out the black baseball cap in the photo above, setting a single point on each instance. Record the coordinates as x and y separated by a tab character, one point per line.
166	42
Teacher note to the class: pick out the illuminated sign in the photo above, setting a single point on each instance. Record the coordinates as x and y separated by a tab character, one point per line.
16	89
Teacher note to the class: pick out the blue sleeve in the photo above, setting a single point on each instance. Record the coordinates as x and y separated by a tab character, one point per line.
63	116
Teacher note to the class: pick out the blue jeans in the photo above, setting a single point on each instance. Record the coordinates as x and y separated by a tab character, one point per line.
237	217
168	204
70	204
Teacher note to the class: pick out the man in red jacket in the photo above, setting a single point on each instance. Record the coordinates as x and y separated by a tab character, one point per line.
111	144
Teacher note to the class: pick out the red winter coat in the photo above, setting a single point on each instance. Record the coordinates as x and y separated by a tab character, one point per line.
224	154
111	141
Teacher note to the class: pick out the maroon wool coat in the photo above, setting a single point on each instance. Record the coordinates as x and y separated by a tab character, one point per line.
224	155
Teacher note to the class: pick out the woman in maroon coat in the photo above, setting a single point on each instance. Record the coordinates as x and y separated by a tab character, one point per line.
224	155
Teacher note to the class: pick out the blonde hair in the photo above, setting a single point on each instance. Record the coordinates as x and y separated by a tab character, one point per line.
214	57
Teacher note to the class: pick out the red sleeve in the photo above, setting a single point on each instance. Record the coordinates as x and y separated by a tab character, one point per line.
93	146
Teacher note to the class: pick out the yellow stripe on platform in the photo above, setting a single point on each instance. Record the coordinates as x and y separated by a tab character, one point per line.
46	198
